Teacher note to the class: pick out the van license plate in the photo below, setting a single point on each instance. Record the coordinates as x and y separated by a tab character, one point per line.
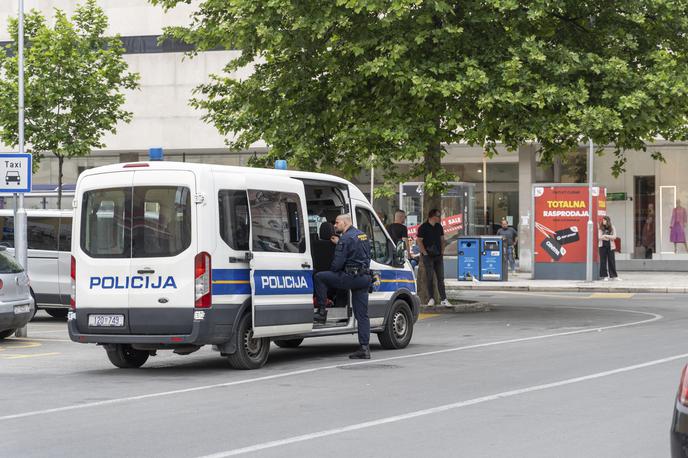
107	321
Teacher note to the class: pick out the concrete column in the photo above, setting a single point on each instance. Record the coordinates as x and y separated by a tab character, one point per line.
526	178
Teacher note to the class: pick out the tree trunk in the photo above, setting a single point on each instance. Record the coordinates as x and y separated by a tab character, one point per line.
60	162
433	163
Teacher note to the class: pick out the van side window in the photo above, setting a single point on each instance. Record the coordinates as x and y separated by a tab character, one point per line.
379	246
42	233
105	228
7	231
65	237
276	221
234	220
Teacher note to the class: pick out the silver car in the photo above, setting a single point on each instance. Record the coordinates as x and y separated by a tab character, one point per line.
16	304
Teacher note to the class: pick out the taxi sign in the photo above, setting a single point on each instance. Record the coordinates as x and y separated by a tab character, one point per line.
15	172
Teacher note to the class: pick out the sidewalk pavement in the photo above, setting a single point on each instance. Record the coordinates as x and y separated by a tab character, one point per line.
631	282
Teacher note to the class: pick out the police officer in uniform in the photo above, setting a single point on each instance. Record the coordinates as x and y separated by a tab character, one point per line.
350	269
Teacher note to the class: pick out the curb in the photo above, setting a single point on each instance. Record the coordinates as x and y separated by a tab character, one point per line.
465	307
568	289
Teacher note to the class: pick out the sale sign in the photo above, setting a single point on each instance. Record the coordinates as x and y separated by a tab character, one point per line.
561	219
450	224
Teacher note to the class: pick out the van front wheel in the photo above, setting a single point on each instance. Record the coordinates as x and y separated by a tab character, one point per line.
251	352
399	328
125	357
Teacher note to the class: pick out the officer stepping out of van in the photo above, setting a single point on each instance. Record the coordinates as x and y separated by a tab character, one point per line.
350	269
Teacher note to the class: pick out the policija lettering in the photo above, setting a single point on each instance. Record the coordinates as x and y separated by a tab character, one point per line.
135	282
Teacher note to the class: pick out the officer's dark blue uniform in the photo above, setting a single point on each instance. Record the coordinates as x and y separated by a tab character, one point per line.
349	270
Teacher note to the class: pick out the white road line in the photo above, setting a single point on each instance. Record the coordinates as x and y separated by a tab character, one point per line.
438	409
655	317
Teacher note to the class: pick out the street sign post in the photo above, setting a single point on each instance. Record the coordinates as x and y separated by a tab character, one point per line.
15	173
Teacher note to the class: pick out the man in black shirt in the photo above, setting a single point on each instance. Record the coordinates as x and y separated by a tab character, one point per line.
398	231
431	242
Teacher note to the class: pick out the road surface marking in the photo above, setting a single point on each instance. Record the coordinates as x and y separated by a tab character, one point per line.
21	346
439	409
424	316
33	413
611	295
22	356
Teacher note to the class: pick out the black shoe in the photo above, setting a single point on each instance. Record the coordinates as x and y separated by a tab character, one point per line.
362	353
321	315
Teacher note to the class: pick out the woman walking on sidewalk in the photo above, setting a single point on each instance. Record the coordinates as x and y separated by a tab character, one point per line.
606	237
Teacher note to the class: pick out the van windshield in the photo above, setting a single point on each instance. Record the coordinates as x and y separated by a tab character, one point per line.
139	222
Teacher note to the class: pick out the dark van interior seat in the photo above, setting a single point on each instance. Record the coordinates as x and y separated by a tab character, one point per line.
323	248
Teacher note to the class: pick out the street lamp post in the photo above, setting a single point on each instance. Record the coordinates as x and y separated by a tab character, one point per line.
20	239
588	258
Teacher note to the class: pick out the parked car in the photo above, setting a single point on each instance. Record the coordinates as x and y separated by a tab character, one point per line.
679	424
49	244
16	304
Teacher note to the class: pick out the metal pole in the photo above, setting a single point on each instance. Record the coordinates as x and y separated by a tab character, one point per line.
20	238
487	225
588	258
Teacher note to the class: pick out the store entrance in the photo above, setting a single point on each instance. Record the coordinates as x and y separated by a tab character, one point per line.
644	217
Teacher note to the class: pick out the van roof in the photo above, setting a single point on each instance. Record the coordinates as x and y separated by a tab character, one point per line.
169	165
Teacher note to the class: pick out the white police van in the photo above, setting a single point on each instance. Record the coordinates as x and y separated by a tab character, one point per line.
176	256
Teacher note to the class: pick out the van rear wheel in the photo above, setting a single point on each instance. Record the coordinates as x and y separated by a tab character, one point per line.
399	328
288	343
125	357
251	353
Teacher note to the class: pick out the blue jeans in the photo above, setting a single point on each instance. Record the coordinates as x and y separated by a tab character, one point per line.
510	257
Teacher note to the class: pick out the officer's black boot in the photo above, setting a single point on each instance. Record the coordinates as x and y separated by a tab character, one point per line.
363	352
321	315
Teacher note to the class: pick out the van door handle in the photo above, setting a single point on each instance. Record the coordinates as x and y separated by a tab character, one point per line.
146	271
305	265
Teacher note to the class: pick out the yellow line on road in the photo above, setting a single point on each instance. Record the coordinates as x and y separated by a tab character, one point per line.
423	316
34	355
20	346
611	295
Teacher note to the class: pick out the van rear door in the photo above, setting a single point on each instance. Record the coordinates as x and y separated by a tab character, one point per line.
102	233
163	250
281	270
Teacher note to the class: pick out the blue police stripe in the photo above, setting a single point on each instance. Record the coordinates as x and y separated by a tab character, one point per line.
271	282
231	281
392	280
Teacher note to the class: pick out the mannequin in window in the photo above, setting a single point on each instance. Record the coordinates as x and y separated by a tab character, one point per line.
678	224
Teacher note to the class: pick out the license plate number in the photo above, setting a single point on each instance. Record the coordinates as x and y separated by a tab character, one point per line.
107	321
24	308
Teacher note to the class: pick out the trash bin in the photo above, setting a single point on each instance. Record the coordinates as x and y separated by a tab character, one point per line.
469	258
493	259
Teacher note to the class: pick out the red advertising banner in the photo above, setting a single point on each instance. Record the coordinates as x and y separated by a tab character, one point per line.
561	219
450	224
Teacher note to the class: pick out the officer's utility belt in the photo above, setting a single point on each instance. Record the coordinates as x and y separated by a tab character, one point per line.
356	270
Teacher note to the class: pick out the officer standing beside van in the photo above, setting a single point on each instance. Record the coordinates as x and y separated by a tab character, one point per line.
350	269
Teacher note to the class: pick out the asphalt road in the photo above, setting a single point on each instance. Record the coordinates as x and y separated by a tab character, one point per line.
537	376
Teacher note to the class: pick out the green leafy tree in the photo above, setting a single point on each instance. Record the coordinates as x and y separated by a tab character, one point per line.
74	81
342	85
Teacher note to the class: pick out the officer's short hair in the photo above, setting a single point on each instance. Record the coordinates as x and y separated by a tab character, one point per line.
345	217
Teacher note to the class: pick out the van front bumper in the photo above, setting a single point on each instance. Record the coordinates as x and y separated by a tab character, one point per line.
215	327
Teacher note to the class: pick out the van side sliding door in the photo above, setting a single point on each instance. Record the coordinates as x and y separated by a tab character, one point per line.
281	270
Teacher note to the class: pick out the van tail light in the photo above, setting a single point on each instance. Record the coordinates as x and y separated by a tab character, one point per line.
683	387
72	275
203	280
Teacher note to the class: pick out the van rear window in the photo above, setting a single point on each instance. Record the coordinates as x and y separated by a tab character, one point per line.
139	222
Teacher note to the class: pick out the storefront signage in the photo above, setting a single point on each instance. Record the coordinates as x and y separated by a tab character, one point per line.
616	196
451	224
